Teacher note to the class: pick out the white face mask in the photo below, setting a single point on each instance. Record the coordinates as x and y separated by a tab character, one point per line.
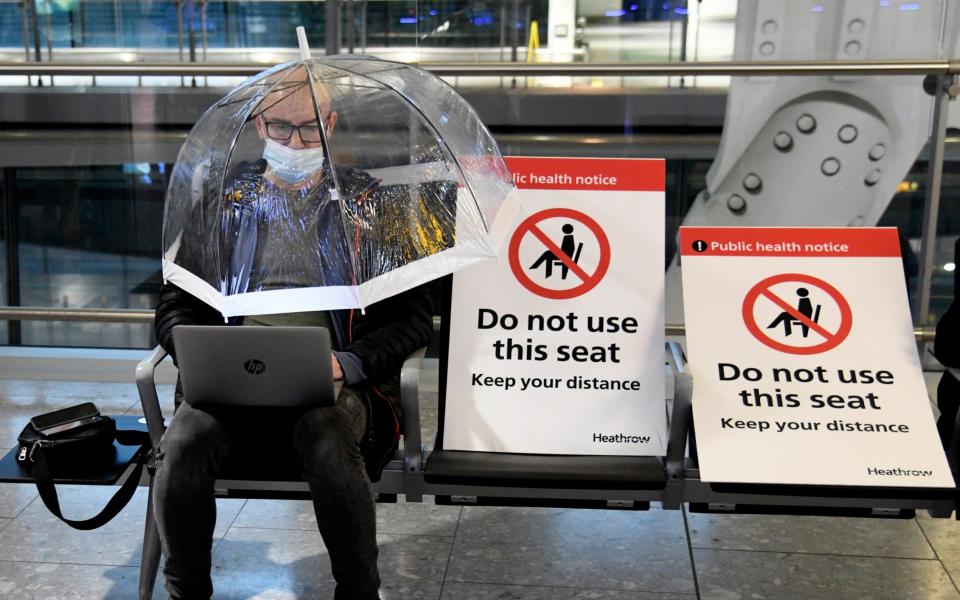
292	165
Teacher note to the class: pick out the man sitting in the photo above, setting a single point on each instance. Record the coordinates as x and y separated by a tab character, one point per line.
280	229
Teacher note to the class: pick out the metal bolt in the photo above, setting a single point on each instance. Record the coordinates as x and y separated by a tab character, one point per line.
847	134
830	166
806	123
767	48
769	27
783	141
853	47
752	182
872	177
855	26
736	204
877	152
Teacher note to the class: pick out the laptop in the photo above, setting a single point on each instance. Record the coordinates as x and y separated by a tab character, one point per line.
254	366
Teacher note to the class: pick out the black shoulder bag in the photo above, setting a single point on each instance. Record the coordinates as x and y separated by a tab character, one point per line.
78	435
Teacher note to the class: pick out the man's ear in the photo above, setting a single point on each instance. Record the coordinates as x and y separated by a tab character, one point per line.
261	129
331	123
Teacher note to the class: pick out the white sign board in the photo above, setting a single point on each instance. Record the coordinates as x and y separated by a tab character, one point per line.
804	364
558	348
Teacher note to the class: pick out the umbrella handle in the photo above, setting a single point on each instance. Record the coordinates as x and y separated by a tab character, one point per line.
302	41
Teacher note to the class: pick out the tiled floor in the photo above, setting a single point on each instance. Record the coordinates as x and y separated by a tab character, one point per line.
271	549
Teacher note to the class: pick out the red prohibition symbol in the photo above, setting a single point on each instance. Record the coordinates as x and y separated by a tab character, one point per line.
531	226
831	339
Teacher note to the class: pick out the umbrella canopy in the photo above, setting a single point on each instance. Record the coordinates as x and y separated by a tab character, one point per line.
330	184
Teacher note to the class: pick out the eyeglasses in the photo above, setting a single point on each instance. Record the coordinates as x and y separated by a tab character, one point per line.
284	131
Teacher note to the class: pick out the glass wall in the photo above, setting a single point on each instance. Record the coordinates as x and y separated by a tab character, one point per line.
600	31
11	26
591	30
89	237
906	214
169	23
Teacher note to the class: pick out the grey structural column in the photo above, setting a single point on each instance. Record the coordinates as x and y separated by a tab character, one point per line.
945	90
363	26
35	27
179	4
332	14
12	250
25	13
350	29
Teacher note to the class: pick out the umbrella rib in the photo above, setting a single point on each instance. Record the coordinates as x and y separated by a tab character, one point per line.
392	66
333	171
248	97
243	98
443	142
291	86
353	85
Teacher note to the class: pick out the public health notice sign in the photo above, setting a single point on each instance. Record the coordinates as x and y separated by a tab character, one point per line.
804	364
557	348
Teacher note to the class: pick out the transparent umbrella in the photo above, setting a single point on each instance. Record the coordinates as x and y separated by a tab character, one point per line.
330	184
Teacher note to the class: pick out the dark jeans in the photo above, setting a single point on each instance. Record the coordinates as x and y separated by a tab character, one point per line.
194	449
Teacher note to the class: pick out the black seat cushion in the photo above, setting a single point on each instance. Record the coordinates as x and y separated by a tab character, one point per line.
537	470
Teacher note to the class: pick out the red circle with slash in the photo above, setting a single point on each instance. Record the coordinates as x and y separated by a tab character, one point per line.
831	339
531	226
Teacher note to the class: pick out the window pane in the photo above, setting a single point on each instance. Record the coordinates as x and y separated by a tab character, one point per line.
90	238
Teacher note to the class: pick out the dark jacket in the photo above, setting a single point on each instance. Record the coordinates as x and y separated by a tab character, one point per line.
382	338
946	347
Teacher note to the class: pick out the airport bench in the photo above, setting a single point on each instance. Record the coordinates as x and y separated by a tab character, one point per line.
473	478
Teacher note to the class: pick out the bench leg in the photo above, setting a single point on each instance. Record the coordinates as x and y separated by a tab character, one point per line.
150	559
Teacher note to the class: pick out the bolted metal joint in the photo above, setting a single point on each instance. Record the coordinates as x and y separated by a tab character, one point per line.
948	84
952	87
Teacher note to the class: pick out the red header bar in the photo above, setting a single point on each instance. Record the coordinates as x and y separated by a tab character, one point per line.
615	174
789	241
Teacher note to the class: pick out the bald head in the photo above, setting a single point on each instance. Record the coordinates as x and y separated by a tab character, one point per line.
289	115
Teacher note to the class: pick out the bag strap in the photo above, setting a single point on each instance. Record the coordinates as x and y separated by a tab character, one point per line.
48	491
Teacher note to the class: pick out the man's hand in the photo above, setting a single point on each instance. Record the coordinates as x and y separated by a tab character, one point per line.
337	369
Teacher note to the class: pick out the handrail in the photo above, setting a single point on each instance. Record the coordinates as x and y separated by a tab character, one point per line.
504	69
108	315
126	315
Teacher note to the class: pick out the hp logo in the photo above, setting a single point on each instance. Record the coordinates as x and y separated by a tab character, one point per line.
254	366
